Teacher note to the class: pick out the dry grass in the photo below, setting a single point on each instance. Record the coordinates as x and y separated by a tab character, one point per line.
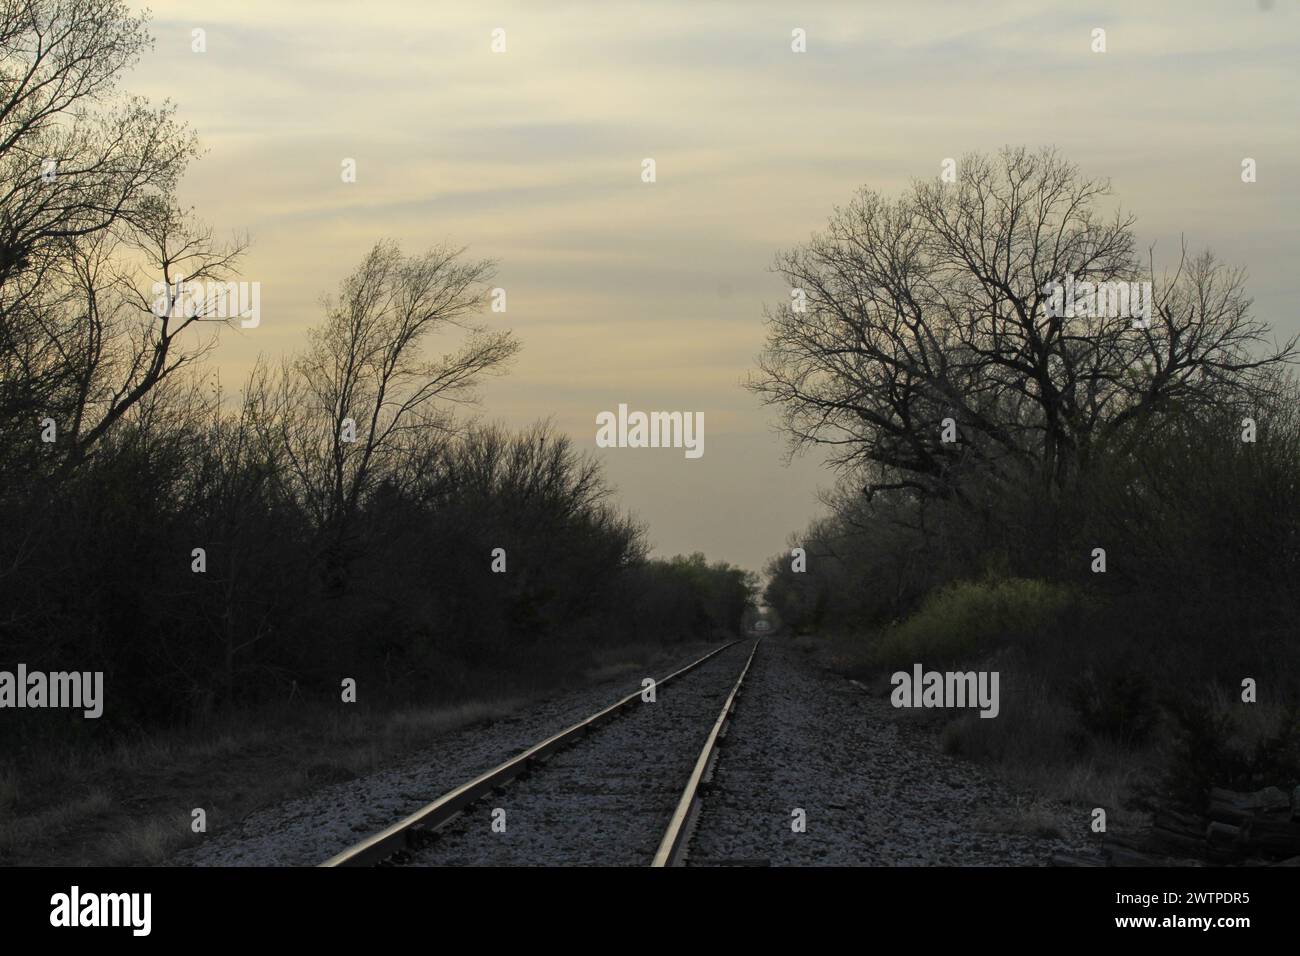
1030	815
130	803
148	841
1035	745
31	828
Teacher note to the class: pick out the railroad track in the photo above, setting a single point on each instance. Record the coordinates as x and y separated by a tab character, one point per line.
406	840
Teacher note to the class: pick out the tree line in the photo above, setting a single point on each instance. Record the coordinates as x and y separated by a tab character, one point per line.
339	515
1146	466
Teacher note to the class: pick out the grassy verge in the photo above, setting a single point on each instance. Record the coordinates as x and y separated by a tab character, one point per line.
129	803
1097	709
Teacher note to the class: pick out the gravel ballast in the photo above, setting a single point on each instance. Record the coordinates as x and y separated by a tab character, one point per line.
307	830
872	793
606	800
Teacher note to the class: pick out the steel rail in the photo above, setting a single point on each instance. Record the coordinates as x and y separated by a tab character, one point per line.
386	842
673	845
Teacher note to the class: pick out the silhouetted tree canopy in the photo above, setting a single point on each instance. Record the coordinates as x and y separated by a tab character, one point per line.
935	306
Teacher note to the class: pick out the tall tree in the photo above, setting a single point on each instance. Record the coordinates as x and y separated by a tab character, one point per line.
940	304
364	396
87	177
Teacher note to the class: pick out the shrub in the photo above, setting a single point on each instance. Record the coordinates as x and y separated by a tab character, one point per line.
1115	700
1212	749
969	618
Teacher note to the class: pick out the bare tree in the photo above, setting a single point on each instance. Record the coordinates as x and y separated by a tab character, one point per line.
74	158
86	215
127	319
143	314
351	409
940	305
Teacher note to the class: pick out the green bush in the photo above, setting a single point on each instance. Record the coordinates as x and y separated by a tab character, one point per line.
969	618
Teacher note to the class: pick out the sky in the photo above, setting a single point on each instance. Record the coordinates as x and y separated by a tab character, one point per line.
652	294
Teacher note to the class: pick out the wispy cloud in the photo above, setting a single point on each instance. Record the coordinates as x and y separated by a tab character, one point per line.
533	156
